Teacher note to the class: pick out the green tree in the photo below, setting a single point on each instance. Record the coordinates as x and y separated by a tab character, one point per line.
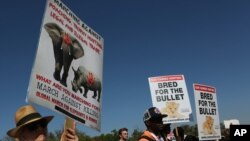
190	129
82	136
135	135
7	138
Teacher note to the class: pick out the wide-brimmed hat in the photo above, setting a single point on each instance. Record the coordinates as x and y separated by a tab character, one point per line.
26	115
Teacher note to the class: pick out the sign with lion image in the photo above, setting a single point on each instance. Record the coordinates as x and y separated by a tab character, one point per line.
207	112
169	94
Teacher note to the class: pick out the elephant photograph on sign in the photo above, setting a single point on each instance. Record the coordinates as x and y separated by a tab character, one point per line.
87	80
66	48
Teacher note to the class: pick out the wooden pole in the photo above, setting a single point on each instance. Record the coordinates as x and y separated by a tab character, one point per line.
176	130
69	123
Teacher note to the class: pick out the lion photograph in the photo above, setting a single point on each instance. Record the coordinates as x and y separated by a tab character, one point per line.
207	125
172	110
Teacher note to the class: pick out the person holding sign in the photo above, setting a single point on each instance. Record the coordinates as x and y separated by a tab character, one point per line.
31	126
153	121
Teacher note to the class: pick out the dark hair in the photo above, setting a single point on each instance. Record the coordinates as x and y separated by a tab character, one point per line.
121	130
191	138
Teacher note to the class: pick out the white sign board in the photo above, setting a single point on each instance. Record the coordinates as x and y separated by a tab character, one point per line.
207	112
169	94
227	123
67	73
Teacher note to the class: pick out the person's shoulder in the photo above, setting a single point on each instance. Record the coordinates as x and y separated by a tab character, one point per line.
146	136
147	133
143	139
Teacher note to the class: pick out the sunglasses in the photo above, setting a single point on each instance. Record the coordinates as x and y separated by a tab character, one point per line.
125	133
35	125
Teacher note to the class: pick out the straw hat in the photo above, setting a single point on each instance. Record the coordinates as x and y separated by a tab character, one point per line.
25	115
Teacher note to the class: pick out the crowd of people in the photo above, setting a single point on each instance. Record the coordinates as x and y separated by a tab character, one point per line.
156	130
32	126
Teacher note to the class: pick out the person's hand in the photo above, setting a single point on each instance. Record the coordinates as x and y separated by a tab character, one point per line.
69	135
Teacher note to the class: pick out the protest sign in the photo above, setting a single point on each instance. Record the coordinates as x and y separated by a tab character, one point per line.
67	72
169	94
207	112
227	123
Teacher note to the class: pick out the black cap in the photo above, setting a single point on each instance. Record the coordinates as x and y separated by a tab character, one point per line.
153	113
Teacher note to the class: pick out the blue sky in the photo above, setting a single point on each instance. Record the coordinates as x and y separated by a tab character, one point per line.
205	40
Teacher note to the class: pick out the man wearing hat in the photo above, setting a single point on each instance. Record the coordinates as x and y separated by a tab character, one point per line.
31	126
153	121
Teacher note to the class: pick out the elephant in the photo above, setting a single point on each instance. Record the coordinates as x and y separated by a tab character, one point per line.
66	48
86	79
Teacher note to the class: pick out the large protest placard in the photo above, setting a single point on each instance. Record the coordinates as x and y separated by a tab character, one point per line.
169	94
67	72
207	112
